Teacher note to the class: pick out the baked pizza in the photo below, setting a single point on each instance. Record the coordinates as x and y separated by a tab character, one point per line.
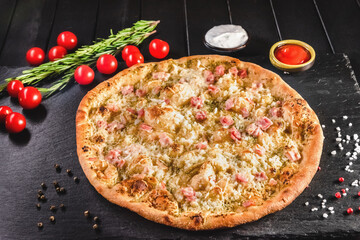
201	142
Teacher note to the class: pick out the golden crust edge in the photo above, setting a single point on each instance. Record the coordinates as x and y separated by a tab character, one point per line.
307	169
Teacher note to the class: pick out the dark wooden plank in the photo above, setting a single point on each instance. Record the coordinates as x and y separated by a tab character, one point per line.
342	21
256	17
7	9
299	20
171	28
78	17
30	27
127	12
203	15
50	139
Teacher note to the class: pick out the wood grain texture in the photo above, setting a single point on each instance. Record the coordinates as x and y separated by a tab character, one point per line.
29	28
28	160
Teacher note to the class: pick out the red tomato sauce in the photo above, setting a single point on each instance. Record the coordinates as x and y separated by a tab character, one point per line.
292	54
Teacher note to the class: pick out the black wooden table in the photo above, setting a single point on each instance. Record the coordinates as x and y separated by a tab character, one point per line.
331	27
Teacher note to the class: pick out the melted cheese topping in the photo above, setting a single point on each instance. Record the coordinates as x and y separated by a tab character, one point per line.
203	134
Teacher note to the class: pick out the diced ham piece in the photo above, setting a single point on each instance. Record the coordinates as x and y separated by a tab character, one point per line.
272	182
275	112
141	113
264	123
235	134
165	140
167	101
259	150
162	186
161	75
244	112
145	127
220	70
253	130
213	89
242	73
114	126
140	92
261	176
234	71
209	76
202	145
131	110
127	90
197	102
248	203
113	107
229	104
293	155
241	178
113	155
101	124
189	194
226	121
200	115
119	163
156	90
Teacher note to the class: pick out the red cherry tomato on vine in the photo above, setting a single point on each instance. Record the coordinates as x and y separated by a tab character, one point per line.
15	122
134	58
128	50
67	39
56	52
35	56
14	87
4	111
107	64
84	75
159	48
29	98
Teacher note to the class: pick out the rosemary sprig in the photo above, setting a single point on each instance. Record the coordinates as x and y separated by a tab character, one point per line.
88	55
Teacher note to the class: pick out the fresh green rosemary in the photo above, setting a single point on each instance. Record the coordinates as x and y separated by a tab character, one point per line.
88	55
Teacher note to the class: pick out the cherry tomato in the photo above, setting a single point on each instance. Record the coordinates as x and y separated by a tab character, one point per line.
29	98
84	75
35	56
107	64
15	122
4	111
56	52
134	58
159	48
14	87
67	40
127	50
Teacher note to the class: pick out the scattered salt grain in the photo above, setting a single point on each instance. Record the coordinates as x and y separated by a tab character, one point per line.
350	124
325	215
345	117
320	196
306	204
333	120
314	209
333	152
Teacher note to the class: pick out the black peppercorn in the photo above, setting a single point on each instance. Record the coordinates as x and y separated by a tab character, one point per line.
95	226
57	189
42	197
38	205
62	206
86	213
57	167
96	219
76	179
43	185
69	172
40	192
52	218
62	190
52	208
56	184
40	224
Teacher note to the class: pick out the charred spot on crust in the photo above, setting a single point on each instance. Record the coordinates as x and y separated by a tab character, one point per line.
99	139
108	84
102	109
167	219
198	219
162	200
85	148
